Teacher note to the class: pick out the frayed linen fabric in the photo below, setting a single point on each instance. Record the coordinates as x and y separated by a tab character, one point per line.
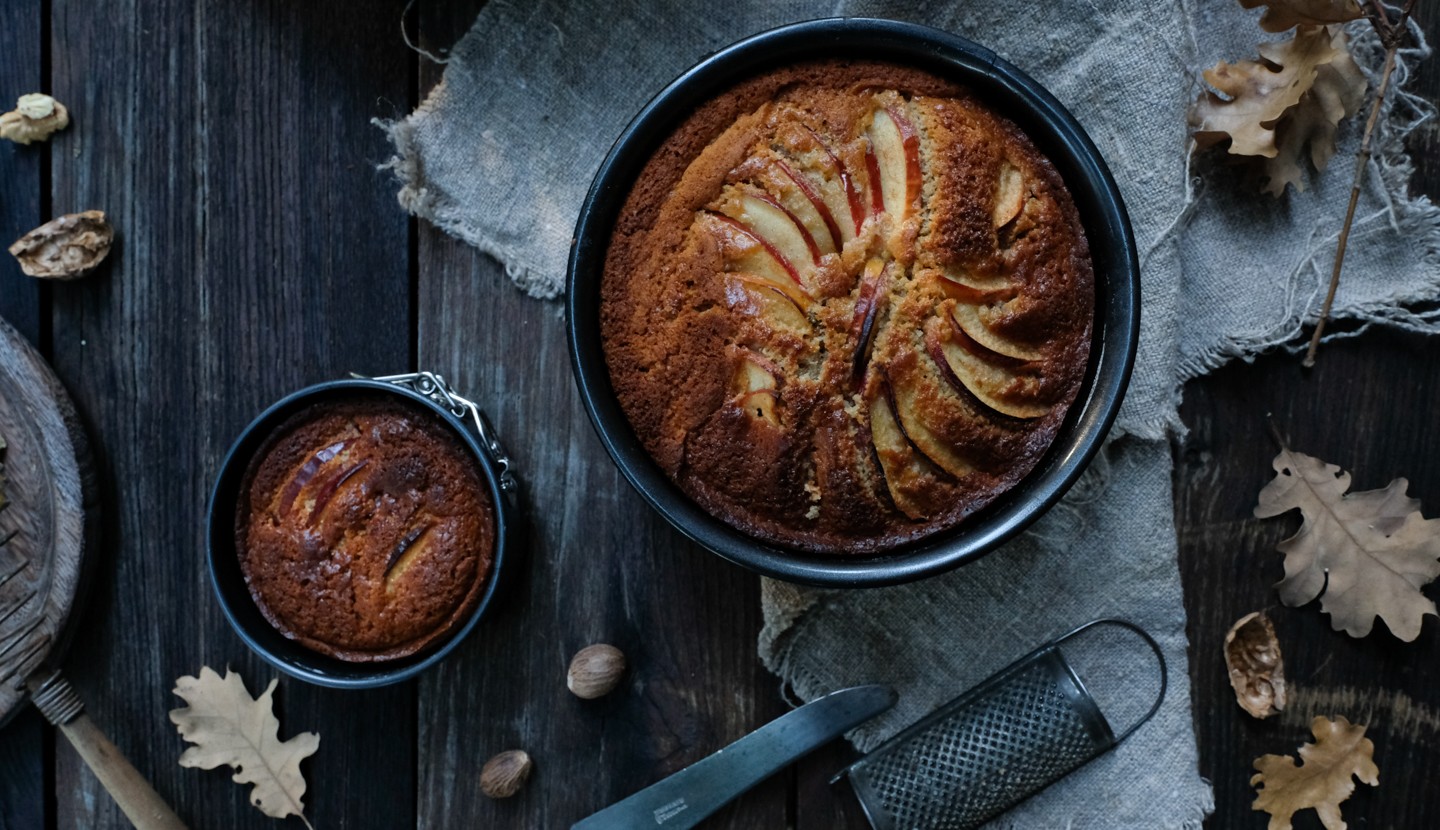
535	93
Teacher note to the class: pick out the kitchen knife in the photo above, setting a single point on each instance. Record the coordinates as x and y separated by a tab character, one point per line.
689	796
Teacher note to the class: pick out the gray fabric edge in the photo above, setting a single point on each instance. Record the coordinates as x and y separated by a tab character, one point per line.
439	208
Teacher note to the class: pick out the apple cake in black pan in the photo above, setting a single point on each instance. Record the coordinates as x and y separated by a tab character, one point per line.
846	305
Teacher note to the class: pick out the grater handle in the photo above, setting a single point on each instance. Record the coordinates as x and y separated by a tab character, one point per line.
58	702
689	796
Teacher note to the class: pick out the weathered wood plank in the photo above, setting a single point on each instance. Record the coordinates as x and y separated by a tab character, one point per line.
20	167
23	797
260	251
23	802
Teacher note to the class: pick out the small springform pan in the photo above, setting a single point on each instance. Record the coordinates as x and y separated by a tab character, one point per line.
423	389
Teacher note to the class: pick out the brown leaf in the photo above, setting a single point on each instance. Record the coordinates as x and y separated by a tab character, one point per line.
1276	108
1340	751
228	727
1282	14
1257	671
1369	552
66	247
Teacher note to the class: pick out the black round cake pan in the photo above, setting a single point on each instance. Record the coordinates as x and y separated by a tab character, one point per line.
1009	92
424	390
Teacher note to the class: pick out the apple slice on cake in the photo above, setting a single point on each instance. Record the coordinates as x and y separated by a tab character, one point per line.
902	466
756	388
995	380
907	399
894	162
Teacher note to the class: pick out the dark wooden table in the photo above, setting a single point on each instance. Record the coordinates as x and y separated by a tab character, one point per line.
260	250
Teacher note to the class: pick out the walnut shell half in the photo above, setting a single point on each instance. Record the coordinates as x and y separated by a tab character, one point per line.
1257	671
66	247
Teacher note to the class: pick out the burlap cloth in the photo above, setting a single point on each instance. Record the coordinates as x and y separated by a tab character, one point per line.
501	154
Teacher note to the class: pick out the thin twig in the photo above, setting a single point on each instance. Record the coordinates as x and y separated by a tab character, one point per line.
1361	159
1391	36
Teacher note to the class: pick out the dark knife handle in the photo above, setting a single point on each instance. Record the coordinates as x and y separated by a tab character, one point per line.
686	798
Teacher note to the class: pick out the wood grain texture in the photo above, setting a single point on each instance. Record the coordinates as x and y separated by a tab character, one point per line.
258	250
24	796
21	22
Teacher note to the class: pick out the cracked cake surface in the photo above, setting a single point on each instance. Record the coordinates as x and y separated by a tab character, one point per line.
846	304
364	529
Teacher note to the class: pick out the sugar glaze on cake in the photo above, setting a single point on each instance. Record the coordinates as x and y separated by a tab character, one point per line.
846	305
364	529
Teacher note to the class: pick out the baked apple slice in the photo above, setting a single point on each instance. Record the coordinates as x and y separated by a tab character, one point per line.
1009	194
307	472
404	553
966	285
868	304
990	377
769	220
909	408
895	146
839	192
326	492
968	318
902	467
752	255
810	208
756	388
779	309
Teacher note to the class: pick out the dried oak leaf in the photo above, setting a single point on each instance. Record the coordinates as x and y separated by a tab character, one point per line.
1276	108
66	247
1282	14
1257	671
1340	751
1369	552
231	728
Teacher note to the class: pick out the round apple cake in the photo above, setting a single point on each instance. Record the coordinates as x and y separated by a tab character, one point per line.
364	529
846	305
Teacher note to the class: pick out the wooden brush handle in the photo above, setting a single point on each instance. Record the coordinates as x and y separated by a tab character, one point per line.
137	799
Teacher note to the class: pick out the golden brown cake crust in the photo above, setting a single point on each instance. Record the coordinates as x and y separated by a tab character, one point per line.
364	529
846	305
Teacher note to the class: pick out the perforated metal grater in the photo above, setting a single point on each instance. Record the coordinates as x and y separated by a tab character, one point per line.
1015	733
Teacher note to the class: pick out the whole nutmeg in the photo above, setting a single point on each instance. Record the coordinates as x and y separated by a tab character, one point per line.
595	671
504	775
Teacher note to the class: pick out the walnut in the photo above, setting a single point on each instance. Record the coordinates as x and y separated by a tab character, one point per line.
65	248
1252	654
595	671
504	775
35	117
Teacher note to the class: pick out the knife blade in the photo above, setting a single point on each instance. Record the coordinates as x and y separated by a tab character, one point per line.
684	799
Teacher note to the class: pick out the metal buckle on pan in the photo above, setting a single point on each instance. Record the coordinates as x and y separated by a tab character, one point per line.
434	387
